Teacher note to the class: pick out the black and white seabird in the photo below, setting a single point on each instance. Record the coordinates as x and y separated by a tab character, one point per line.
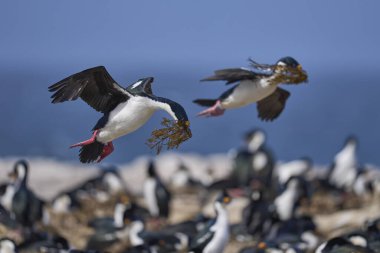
344	169
26	207
288	201
125	109
215	236
156	195
254	163
142	240
109	231
255	215
255	86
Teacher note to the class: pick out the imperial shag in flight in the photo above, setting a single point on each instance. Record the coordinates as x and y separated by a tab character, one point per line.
125	110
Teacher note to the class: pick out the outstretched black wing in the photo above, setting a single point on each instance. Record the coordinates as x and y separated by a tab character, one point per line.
271	107
141	87
233	75
95	86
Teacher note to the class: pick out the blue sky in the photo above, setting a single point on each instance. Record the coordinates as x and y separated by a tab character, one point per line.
179	42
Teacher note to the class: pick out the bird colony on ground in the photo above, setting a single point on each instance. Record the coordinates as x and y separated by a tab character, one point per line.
260	205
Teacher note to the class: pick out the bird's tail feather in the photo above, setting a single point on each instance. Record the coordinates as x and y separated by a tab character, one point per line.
205	102
91	152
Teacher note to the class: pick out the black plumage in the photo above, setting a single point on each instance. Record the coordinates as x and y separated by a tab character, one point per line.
26	206
203	238
162	194
95	86
234	75
271	107
258	85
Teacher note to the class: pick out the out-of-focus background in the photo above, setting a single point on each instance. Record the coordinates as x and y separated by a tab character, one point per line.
179	43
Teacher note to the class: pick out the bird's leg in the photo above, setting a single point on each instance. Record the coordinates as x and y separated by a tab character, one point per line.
89	141
108	149
215	110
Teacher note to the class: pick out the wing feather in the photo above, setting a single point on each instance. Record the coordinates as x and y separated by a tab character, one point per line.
233	75
271	107
95	86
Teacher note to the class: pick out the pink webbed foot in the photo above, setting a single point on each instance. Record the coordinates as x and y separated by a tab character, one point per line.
215	110
89	141
107	150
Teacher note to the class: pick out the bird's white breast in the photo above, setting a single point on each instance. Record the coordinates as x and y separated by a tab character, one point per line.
150	196
248	92
6	199
180	179
62	204
126	118
284	204
221	229
113	182
344	173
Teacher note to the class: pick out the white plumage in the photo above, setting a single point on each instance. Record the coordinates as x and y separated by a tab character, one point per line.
150	185
345	169
221	229
248	92
129	116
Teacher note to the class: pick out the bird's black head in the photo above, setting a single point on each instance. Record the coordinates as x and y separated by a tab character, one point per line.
351	140
152	169
183	167
178	111
109	169
252	133
20	171
224	198
288	61
174	132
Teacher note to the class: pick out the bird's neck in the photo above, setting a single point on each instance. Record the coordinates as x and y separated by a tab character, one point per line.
164	104
221	216
118	215
270	80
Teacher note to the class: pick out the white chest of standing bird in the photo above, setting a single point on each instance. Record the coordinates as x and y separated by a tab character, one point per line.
345	166
221	230
150	185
